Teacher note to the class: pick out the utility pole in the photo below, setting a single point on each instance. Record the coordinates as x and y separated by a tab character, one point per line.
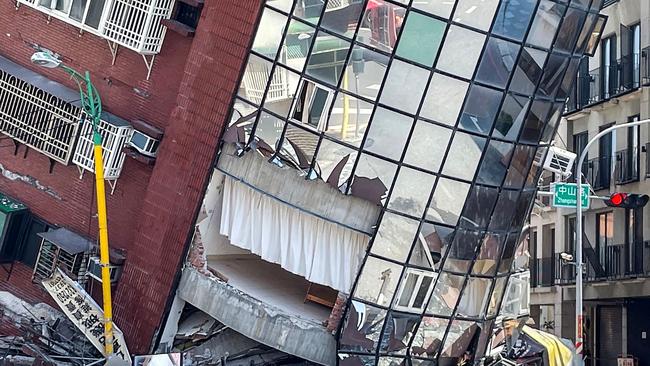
579	229
92	106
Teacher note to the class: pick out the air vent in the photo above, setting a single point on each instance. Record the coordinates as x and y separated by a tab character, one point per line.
95	270
146	145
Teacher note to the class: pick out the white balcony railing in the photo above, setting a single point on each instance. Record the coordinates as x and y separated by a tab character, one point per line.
37	119
115	135
134	24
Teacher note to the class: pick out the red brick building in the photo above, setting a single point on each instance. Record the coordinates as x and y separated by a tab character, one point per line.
187	96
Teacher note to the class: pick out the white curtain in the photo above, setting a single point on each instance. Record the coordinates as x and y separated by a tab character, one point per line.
319	250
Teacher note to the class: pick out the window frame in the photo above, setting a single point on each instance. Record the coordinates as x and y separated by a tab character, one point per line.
421	274
323	120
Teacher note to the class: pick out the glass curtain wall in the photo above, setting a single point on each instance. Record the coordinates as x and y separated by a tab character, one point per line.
434	110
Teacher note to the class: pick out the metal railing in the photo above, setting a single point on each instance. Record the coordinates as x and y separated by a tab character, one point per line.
645	66
605	82
620	261
542	273
627	166
609	2
599	172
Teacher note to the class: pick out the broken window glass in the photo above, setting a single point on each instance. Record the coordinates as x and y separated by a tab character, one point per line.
378	281
312	104
415	290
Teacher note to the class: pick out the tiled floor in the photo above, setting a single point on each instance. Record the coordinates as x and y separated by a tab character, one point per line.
270	283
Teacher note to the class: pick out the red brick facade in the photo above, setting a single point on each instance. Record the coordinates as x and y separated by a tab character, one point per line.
153	208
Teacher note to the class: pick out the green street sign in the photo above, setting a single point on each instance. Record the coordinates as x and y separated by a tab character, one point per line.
564	195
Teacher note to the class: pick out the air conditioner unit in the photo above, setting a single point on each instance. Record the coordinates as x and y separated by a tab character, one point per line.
557	160
146	145
95	270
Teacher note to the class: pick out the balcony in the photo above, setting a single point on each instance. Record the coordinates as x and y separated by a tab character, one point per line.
627	166
542	272
604	83
620	262
598	172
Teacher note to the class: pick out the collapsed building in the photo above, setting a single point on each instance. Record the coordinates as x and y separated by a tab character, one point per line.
370	191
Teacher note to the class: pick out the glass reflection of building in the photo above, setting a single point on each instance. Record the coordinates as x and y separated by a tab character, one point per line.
434	110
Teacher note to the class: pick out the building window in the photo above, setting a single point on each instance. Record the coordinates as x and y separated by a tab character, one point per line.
608	66
416	290
80	11
187	14
579	144
311	105
604	232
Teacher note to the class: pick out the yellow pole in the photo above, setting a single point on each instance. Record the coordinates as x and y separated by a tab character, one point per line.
103	247
346	108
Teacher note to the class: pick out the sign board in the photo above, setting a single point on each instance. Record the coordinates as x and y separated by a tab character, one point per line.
625	361
564	195
84	312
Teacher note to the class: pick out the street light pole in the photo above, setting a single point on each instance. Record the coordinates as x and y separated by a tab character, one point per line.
579	234
92	106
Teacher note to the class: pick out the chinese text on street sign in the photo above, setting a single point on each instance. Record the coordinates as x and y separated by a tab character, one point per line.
564	195
84	312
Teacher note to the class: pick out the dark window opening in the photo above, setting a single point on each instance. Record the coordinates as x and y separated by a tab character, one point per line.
187	14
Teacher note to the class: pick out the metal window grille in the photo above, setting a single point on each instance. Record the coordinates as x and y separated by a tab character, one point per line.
37	119
51	257
114	138
135	24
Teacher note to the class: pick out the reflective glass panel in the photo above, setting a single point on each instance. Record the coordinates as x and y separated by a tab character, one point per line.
511	117
299	146
355	359
523	205
535	121
398	332
476	13
478	208
444	99
506	208
372	178
459	340
362	327
436	7
464	155
404	86
513	18
380	24
421	38
433	238
284	5
428	339
570	30
341	17
281	91
378	281
309	10
391	361
553	75
268	131
545	24
330	156
486	262
349	119
388	133
365	72
448	201
446	294
460	52
475	298
394	237
495	163
480	109
497	294
508	253
427	146
327	58
411	192
296	45
256	76
556	113
528	71
463	250
269	33
497	62
519	165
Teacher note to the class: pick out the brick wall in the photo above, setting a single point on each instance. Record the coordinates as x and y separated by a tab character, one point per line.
177	184
152	209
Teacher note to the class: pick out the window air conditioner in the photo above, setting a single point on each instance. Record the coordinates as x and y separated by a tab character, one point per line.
95	270
146	145
557	160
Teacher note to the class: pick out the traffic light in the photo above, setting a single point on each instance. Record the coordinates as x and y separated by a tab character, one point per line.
627	200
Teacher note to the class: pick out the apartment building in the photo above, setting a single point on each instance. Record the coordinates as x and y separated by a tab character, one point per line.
379	164
611	88
166	71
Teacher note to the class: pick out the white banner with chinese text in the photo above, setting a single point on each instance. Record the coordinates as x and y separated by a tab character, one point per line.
84	312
